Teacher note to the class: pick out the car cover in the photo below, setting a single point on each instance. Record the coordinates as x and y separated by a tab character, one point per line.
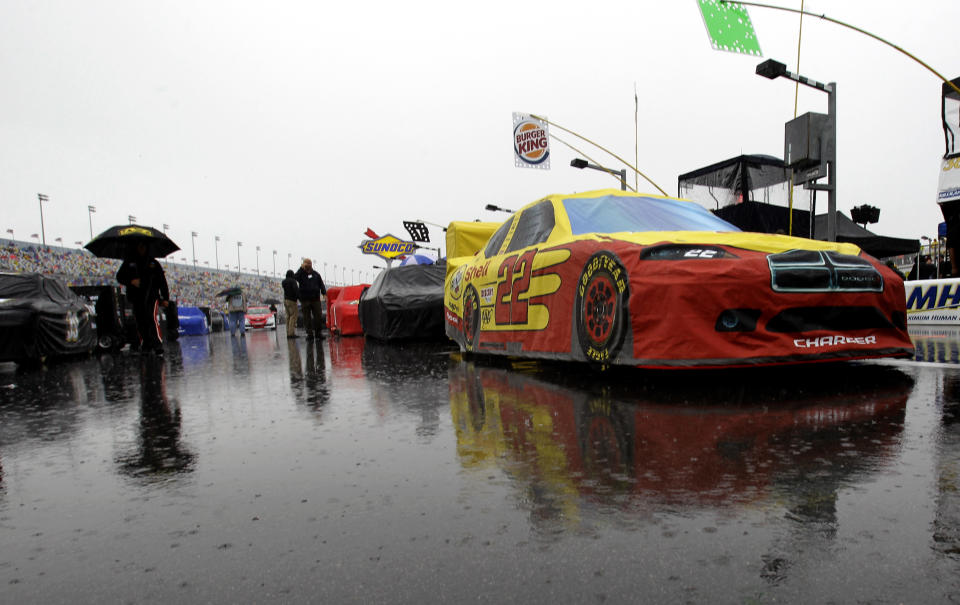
40	317
467	238
405	303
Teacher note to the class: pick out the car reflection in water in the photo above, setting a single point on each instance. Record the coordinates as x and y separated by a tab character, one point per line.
158	454
579	444
406	375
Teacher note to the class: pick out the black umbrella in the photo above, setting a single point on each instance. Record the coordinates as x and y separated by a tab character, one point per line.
271	301
120	241
230	291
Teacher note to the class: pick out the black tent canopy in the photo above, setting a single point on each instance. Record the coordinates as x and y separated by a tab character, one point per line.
752	192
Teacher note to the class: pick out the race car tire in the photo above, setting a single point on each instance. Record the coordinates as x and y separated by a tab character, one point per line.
471	319
107	342
600	307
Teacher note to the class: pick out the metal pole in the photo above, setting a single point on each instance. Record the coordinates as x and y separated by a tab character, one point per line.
832	163
43	198
238	257
274	263
193	247
258	260
216	250
90	211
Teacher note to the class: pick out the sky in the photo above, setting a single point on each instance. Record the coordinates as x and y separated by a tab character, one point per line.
296	125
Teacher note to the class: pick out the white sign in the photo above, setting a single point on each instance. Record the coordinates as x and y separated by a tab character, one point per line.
933	301
531	142
949	189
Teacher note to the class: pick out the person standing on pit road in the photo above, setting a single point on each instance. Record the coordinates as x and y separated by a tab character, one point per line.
147	291
237	308
312	292
291	294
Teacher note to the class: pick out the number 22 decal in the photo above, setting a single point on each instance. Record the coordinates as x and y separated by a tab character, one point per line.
515	271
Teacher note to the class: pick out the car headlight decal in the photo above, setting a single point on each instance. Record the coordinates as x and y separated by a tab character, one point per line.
822	271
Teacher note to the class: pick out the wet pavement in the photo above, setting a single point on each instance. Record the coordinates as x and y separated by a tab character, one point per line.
355	471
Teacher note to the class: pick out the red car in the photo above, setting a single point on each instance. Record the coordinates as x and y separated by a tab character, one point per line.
260	317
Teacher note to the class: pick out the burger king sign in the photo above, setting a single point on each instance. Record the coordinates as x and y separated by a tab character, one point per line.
531	142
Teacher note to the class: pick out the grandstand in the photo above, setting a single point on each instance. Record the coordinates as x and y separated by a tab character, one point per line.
188	285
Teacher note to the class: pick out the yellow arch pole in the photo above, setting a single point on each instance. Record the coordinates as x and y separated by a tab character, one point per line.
848	26
623	161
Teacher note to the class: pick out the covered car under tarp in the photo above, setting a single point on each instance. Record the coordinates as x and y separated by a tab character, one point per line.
343	314
192	321
405	303
40	317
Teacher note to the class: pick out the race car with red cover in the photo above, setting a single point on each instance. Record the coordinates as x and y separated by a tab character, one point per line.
611	277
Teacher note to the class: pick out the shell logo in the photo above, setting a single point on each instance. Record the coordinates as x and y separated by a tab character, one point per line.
388	247
530	142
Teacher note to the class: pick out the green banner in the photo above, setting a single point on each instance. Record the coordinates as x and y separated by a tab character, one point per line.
729	27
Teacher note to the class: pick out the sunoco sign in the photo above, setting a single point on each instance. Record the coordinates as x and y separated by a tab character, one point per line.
531	142
387	247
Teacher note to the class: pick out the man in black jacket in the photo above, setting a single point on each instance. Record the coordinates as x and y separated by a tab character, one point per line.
291	294
147	291
312	291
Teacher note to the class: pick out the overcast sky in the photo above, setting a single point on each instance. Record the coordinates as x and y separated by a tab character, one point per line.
297	125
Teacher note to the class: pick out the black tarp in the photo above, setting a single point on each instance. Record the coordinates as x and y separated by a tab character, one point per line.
41	317
405	303
767	218
755	177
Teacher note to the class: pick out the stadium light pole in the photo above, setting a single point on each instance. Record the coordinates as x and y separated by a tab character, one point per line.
334	270
164	228
132	219
288	260
772	70
344	280
325	274
216	251
193	247
238	257
90	211
43	198
258	260
620	174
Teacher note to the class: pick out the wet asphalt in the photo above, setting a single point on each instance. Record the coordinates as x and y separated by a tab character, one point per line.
351	471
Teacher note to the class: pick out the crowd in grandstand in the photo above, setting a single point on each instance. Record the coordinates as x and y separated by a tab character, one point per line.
188	285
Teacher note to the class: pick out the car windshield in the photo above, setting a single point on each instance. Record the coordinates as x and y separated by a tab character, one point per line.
258	311
612	214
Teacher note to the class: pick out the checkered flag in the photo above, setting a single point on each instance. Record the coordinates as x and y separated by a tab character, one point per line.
418	231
